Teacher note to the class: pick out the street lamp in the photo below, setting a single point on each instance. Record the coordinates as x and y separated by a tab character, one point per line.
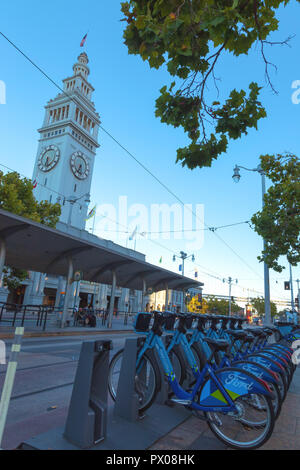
72	200
236	178
230	281
183	256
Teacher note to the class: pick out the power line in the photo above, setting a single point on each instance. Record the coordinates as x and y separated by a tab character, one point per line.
127	151
188	230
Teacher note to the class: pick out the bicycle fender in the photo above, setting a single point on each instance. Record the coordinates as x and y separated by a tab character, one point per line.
236	382
266	362
258	370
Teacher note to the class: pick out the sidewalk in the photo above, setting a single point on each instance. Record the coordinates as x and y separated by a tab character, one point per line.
32	331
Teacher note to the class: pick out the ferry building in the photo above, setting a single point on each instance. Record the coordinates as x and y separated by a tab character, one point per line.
63	173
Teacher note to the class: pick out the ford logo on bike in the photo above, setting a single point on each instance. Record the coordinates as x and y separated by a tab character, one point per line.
239	382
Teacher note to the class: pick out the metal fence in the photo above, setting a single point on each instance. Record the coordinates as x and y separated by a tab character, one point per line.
41	316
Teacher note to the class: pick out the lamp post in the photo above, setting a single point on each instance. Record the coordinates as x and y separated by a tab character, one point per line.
298	295
236	178
292	296
230	281
72	200
183	256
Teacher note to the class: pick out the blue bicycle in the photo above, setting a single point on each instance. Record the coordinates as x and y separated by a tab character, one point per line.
236	404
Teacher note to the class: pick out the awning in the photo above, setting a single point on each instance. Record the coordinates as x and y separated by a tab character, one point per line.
36	247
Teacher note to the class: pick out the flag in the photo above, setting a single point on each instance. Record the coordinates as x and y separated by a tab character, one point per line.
160	259
133	234
92	213
180	267
83	41
196	273
34	184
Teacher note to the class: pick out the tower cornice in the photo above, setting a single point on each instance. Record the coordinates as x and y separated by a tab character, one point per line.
82	78
69	122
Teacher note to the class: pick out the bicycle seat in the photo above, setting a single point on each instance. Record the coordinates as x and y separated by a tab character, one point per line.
268	331
217	344
272	328
238	334
255	331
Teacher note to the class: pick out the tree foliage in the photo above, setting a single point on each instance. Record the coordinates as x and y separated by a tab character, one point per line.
259	305
279	220
13	277
16	196
189	36
221	306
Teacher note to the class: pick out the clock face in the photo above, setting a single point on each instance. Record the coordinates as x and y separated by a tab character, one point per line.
49	158
79	165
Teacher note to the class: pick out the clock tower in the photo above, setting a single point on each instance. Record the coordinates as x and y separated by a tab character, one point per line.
67	147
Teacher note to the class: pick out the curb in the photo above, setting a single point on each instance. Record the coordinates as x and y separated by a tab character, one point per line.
64	333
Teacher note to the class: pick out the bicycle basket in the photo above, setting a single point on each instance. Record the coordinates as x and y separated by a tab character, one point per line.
169	322
142	321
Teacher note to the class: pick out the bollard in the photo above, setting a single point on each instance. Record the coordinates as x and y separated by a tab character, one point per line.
9	379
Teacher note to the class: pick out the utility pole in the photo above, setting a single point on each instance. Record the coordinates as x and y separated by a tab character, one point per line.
292	295
230	281
298	296
236	178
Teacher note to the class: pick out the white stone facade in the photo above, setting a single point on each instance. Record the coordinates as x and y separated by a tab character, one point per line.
63	173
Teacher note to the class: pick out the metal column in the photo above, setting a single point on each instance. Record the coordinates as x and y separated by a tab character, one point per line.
268	318
68	290
167	297
112	299
143	295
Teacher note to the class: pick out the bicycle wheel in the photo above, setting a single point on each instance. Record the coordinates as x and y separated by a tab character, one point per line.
199	355
288	367
147	379
178	363
247	428
277	400
283	379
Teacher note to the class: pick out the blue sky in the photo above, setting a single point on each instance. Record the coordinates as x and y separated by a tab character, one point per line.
125	94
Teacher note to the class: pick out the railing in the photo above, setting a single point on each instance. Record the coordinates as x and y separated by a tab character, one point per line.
40	316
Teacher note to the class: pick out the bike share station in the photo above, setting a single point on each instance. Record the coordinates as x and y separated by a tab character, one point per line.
91	422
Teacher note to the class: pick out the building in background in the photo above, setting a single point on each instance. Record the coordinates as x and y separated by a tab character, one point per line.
63	173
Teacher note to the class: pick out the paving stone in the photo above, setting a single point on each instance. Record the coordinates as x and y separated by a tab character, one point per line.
285	424
280	441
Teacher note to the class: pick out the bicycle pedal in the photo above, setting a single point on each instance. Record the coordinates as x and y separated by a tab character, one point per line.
178	401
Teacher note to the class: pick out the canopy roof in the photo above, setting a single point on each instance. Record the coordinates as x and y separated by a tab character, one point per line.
36	247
